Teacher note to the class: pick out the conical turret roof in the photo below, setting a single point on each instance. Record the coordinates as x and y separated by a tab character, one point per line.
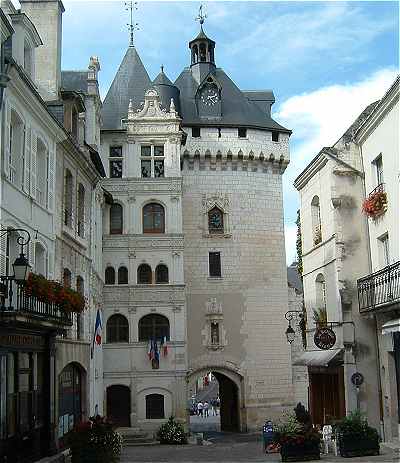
130	82
162	79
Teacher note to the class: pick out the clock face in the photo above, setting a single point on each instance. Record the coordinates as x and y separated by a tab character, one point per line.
209	96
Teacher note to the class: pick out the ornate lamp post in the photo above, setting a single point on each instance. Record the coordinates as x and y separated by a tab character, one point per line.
21	265
290	333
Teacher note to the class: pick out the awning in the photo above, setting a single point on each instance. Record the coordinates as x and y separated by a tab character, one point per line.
392	326
317	358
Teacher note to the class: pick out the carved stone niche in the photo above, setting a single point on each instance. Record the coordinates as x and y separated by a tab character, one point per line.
222	202
214	334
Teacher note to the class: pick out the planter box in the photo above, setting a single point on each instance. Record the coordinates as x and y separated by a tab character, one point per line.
306	451
356	446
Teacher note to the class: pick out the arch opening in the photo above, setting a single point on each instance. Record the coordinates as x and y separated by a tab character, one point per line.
221	393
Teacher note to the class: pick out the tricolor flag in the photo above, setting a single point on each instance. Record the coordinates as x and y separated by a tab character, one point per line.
164	346
97	331
156	351
150	350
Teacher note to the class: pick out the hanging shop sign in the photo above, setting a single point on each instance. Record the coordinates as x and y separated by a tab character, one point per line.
325	338
357	379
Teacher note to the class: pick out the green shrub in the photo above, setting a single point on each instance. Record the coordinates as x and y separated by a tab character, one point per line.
356	426
171	432
95	441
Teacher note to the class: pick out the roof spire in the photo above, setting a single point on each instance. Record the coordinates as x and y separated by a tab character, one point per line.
201	17
132	26
162	68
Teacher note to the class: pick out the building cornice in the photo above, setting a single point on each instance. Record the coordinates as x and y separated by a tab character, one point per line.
385	105
22	18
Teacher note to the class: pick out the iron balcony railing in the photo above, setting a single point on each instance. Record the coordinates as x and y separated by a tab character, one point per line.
380	289
23	304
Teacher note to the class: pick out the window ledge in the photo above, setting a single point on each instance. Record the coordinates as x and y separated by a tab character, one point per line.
214	278
217	235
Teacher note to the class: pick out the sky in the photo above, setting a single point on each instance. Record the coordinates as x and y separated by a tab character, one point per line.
325	61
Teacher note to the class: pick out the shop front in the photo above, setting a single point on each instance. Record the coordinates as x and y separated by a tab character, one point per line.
25	393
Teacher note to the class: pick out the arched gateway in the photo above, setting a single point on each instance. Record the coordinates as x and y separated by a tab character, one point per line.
230	393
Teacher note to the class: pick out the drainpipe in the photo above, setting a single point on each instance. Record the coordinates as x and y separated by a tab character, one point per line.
378	355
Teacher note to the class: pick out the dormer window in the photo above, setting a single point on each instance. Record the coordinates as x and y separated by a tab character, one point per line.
242	133
195	132
275	135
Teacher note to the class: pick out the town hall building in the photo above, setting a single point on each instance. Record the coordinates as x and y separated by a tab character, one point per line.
193	244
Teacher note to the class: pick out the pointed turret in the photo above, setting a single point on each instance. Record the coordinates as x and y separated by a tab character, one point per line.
167	91
130	83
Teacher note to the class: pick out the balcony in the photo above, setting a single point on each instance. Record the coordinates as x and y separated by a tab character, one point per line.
380	289
30	309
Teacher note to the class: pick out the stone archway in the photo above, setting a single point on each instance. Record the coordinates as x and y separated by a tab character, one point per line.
119	404
230	396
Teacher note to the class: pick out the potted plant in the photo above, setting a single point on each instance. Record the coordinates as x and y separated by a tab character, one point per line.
297	439
95	441
355	437
375	204
172	432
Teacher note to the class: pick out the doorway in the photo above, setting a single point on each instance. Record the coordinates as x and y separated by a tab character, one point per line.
119	405
222	395
327	395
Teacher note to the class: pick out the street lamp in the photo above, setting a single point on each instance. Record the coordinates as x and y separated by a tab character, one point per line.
290	333
21	265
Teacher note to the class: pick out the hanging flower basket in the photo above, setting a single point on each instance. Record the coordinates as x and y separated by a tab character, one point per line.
52	292
375	204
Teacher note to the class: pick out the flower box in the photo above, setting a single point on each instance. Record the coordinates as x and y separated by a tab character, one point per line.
354	445
53	292
375	205
300	449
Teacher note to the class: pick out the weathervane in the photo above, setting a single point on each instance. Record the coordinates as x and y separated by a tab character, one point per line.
201	17
132	26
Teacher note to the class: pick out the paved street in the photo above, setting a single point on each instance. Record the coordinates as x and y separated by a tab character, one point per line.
227	448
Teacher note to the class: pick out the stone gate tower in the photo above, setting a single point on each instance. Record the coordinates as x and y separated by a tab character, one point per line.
234	255
196	231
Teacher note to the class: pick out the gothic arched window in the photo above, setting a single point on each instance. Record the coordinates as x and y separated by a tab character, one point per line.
161	274
215	221
153	326
144	274
116	220
153	218
117	329
109	276
122	276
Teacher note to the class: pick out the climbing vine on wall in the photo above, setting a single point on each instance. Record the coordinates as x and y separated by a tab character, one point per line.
299	245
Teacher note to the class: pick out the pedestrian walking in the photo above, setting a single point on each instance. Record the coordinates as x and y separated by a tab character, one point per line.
214	406
206	407
217	405
200	408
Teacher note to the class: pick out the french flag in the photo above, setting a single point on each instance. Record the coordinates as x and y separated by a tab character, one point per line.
97	332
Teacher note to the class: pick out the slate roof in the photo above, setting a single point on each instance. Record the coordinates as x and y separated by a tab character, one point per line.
130	82
74	81
293	277
237	110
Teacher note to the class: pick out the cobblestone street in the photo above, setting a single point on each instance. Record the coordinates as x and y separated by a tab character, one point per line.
229	448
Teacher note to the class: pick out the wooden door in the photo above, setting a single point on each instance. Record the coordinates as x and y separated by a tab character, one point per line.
119	405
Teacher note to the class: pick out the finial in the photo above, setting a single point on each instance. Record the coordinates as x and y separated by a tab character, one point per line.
172	106
162	68
130	109
201	17
132	26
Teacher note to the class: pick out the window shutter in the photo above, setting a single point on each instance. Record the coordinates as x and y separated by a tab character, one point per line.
3	253
27	159
33	163
7	139
50	265
50	177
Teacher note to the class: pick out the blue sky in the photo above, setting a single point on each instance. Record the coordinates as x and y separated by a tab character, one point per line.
325	61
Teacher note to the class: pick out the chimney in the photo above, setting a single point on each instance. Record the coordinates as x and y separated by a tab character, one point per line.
46	15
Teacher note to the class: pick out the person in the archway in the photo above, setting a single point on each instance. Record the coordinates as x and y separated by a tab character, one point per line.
200	408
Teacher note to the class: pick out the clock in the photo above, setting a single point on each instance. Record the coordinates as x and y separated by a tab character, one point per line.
209	96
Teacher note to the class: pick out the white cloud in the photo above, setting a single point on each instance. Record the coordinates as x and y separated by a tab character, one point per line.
319	118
